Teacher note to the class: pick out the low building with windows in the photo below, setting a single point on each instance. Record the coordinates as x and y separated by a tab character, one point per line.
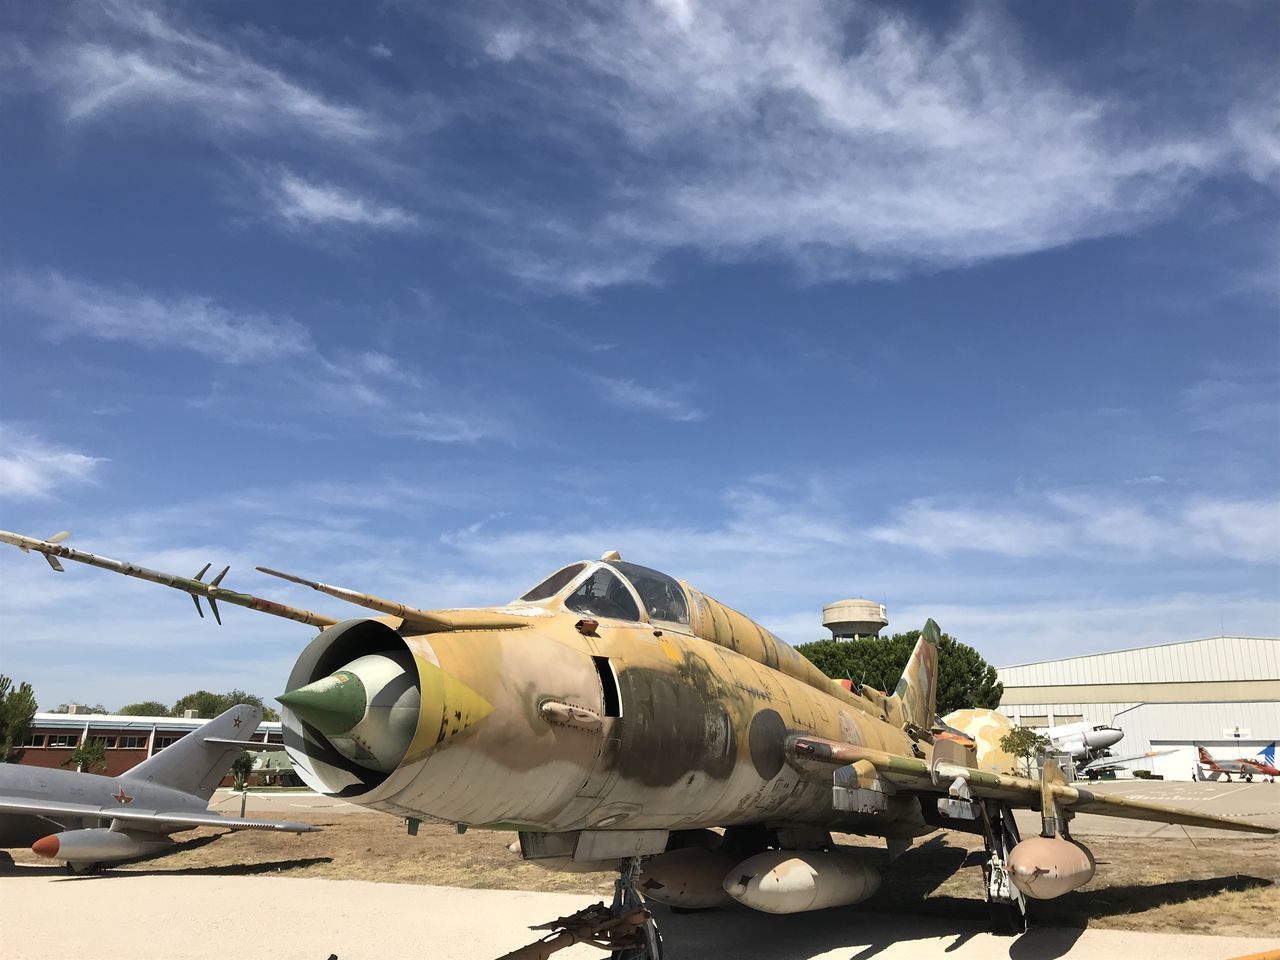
1222	693
128	740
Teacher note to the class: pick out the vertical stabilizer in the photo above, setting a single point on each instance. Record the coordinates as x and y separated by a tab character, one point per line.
191	764
1269	754
918	688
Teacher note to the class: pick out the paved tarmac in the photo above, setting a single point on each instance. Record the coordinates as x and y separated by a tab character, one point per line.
136	916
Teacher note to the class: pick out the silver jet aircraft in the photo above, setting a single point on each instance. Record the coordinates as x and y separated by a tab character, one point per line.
87	820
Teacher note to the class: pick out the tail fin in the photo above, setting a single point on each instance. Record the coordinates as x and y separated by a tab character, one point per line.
1269	754
918	688
193	765
1204	755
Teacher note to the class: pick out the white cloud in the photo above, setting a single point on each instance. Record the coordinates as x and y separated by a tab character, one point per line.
668	402
1230	405
33	469
847	140
1083	524
302	203
1010	634
68	307
924	525
128	57
442	427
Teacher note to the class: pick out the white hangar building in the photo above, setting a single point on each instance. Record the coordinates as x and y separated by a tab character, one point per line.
1222	693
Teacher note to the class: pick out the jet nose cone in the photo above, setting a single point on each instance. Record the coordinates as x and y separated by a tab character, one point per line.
46	846
332	704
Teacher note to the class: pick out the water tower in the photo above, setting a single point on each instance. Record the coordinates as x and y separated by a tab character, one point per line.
847	619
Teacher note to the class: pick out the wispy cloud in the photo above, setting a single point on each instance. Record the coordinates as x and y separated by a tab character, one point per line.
129	57
302	203
933	528
66	307
1104	527
32	468
669	403
847	140
1228	404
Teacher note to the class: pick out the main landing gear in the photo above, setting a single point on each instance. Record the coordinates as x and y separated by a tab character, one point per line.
626	929
1005	903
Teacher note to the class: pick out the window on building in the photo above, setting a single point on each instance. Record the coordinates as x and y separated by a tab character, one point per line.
1035	721
108	743
166	741
34	740
1062	719
63	739
132	743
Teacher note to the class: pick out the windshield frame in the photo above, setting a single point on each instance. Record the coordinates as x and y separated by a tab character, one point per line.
683	626
592	567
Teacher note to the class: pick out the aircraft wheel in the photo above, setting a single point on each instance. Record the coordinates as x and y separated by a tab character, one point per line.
1007	919
652	949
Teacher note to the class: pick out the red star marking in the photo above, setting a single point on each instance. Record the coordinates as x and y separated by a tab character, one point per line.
122	797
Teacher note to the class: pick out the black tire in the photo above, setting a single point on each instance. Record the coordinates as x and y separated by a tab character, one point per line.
1007	919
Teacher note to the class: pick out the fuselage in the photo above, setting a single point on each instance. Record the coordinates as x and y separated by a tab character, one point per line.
45	785
598	722
1084	740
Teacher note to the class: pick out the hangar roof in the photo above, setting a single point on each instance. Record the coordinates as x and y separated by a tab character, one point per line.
1213	658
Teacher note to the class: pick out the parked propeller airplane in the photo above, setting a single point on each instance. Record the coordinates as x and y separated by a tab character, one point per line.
613	715
87	820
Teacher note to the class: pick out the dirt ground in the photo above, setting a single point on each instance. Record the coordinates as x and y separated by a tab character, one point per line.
1225	887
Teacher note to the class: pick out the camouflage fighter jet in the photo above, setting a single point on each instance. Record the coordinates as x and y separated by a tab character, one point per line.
615	716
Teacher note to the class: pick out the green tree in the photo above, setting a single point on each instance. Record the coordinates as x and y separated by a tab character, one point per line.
241	768
147	708
207	705
1025	744
239	696
211	704
17	707
90	756
965	679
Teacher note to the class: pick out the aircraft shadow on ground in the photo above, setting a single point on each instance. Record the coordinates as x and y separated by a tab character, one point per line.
907	908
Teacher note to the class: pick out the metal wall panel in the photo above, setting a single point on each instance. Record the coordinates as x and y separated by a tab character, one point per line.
1215	658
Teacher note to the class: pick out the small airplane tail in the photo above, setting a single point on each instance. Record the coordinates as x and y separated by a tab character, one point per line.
1203	754
918	688
198	762
1268	754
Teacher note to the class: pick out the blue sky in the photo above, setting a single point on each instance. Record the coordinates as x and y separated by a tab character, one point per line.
971	311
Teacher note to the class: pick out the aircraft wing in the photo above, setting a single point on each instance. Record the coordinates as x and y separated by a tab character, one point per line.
144	819
1104	763
253	746
819	758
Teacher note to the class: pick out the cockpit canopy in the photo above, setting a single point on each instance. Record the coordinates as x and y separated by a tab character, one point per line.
616	590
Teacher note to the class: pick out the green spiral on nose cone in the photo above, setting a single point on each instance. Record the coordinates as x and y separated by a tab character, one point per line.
332	704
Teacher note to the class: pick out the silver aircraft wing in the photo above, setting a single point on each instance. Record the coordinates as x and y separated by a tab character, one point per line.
1105	763
144	819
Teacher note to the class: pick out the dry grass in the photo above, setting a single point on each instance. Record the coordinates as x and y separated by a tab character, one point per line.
1225	887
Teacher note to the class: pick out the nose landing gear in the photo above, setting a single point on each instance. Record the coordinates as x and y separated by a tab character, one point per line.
626	929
